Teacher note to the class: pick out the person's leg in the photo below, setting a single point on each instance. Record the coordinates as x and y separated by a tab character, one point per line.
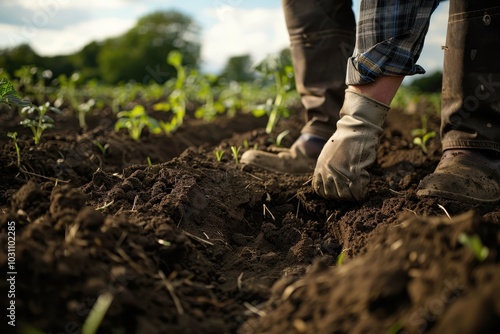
470	129
322	34
389	40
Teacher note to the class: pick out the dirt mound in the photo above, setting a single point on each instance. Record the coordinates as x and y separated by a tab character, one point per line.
192	245
415	276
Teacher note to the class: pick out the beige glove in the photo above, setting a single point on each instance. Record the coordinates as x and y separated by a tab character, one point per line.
341	170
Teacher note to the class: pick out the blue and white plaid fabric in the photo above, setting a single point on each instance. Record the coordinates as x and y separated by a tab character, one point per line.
389	39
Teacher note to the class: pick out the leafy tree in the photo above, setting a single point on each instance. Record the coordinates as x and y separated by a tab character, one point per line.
239	68
431	83
14	58
140	54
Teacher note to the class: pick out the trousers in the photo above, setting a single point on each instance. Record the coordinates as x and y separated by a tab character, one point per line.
322	35
389	41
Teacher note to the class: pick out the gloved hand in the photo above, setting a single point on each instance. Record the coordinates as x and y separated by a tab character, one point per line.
341	170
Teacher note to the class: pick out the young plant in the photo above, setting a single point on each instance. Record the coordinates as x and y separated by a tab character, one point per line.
9	95
13	136
69	92
473	242
423	135
280	137
135	121
219	154
97	313
101	147
210	108
37	120
177	99
83	110
282	73
236	151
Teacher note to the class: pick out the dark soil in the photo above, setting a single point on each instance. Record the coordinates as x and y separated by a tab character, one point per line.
192	245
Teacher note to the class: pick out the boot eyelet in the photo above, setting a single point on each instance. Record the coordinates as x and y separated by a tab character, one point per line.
486	20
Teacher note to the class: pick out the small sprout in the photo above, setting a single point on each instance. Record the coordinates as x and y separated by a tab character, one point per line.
135	121
219	154
13	136
422	141
149	161
280	137
341	258
473	242
246	144
395	328
423	135
102	148
97	313
235	150
36	119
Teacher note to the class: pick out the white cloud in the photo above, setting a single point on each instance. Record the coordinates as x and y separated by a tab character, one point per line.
432	55
238	31
49	42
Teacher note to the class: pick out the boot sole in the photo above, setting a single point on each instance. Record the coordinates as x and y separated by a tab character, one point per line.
454	196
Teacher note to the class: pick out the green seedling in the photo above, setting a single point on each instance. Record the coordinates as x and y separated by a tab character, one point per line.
282	73
135	121
83	110
341	258
473	242
102	148
97	313
236	150
423	135
148	159
203	83
219	154
37	120
280	137
395	328
13	136
177	99
69	92
246	144
9	95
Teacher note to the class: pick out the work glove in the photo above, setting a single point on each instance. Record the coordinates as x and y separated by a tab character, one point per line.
341	170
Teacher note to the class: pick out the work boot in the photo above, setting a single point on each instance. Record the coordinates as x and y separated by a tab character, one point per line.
298	159
470	176
341	171
470	125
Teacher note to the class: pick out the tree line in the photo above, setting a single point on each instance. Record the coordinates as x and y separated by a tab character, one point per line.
138	55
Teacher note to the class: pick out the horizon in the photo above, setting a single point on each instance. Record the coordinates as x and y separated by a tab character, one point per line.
62	27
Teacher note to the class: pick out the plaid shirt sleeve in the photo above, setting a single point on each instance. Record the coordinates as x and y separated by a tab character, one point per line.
389	39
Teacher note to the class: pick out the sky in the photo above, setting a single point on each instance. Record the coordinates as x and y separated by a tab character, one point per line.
229	27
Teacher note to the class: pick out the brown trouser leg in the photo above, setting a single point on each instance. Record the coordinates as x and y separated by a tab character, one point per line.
471	78
322	36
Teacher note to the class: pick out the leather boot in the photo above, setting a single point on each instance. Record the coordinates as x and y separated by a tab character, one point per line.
298	159
470	176
470	113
